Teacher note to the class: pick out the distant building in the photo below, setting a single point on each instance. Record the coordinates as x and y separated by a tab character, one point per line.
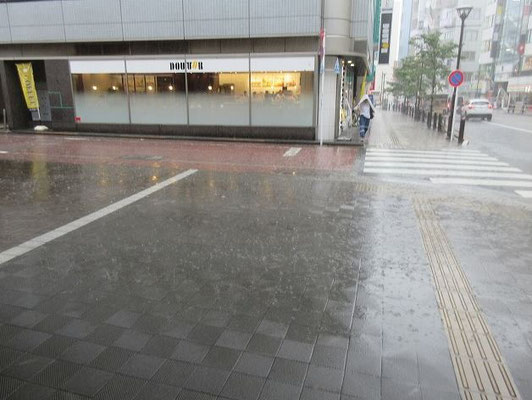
392	13
405	30
238	68
506	59
441	15
446	20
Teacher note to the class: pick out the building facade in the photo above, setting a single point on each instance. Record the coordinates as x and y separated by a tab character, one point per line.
237	68
448	23
506	59
393	10
404	35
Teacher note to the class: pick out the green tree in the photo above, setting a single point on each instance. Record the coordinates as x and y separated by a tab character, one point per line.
405	83
425	70
433	53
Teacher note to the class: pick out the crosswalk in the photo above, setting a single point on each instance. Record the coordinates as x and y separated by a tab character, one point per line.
449	167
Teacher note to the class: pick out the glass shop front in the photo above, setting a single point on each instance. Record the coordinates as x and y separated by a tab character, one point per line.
202	91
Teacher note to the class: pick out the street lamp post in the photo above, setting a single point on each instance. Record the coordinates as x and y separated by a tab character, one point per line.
463	13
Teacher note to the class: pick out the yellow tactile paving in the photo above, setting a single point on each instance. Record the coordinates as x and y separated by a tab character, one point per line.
478	364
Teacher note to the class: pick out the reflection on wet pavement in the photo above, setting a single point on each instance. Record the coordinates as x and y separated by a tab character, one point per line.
260	276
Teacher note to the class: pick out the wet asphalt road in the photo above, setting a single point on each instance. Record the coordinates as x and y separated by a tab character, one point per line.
259	276
508	136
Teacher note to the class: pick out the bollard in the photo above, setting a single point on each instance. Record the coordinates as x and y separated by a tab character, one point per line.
461	131
440	122
435	121
429	119
5	119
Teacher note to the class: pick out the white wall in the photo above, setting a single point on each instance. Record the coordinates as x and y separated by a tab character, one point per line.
117	20
327	122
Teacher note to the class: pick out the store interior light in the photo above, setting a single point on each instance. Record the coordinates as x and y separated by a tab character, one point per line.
95	88
114	88
150	87
170	87
209	87
232	87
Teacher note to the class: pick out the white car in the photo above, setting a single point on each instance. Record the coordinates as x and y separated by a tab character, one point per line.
478	108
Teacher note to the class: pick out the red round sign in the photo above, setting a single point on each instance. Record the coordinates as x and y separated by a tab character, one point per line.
456	78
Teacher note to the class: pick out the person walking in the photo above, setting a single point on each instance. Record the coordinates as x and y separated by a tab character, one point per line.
367	111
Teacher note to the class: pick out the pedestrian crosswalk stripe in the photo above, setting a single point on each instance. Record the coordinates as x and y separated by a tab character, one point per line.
426	151
445	156
470	167
436	160
447	150
383	164
480	182
527	194
406	171
438	153
461	151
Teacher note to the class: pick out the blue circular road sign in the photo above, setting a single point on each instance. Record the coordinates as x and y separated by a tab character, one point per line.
456	78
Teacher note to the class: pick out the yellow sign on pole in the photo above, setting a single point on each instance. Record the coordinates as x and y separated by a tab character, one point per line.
25	74
363	86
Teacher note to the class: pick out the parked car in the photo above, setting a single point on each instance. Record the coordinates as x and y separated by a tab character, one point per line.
478	108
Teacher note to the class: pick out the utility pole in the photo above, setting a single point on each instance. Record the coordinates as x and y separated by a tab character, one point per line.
418	94
478	82
463	13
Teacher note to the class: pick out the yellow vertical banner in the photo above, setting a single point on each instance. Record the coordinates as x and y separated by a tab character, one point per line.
363	86
25	74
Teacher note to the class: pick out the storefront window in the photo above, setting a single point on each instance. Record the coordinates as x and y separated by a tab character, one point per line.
282	92
100	98
218	98
157	99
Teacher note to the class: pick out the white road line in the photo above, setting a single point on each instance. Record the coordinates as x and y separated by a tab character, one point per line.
3	152
448	157
460	151
527	194
441	153
429	172
384	164
509	127
480	182
75	138
445	155
72	226
445	150
436	160
292	151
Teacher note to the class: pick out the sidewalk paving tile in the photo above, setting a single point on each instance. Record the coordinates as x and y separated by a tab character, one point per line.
157	391
254	364
87	381
288	371
243	387
142	366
